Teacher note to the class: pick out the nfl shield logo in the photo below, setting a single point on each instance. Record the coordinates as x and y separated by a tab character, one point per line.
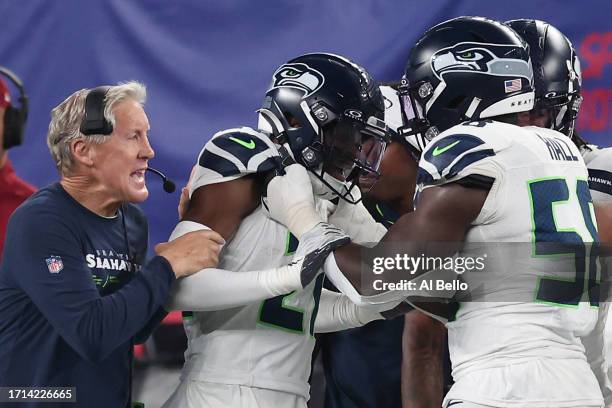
55	264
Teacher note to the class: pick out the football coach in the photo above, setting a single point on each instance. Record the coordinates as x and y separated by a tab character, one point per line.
75	290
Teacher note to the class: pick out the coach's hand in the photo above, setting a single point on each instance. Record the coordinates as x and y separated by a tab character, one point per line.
192	252
290	200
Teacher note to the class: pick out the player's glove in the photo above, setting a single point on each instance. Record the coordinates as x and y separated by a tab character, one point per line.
290	200
314	248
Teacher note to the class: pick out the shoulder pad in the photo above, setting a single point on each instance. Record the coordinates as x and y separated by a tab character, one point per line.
450	155
598	158
445	157
233	153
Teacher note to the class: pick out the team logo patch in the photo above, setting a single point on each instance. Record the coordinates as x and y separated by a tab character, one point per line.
479	57
355	114
512	85
298	76
54	264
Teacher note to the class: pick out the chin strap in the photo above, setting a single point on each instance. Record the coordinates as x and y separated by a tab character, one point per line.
323	186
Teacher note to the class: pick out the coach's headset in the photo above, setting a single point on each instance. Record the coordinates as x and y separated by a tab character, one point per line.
94	123
14	118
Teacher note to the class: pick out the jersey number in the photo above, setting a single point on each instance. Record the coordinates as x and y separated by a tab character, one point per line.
549	240
277	314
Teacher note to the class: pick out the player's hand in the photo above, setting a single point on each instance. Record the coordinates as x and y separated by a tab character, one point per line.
192	252
314	248
290	200
183	203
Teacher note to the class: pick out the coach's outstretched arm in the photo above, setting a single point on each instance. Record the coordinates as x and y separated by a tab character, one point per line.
92	324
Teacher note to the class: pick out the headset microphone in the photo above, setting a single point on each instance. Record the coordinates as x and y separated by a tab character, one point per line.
169	185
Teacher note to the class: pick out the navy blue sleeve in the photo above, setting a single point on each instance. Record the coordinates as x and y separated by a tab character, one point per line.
144	334
138	231
93	325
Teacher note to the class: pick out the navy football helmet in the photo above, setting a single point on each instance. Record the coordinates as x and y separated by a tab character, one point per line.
467	68
330	113
557	74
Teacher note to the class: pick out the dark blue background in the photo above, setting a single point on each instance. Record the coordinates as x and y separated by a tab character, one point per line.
207	63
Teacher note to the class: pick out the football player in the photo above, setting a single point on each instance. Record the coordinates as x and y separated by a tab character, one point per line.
484	179
558	81
250	336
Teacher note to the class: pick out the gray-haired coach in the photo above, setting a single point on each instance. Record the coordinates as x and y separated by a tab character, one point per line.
75	291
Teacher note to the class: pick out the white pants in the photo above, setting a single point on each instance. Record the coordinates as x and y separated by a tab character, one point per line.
464	404
200	394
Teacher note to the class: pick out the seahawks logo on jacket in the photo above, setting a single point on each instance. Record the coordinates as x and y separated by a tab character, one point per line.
448	156
298	76
486	58
233	153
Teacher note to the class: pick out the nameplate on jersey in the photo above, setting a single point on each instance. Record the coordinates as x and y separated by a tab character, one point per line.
558	148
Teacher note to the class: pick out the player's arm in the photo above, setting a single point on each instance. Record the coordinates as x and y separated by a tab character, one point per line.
222	206
218	289
422	365
444	214
456	173
337	312
603	215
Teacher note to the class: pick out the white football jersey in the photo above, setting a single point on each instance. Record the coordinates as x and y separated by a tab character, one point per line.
267	344
516	344
599	163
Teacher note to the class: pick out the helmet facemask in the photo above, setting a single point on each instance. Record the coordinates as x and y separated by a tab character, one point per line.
413	102
345	147
352	147
557	115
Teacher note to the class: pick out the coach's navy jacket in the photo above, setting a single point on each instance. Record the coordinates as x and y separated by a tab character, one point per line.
74	298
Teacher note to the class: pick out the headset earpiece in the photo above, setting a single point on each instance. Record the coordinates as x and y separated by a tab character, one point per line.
14	118
94	122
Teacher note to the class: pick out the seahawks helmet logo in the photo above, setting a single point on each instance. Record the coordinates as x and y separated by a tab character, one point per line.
477	57
298	76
